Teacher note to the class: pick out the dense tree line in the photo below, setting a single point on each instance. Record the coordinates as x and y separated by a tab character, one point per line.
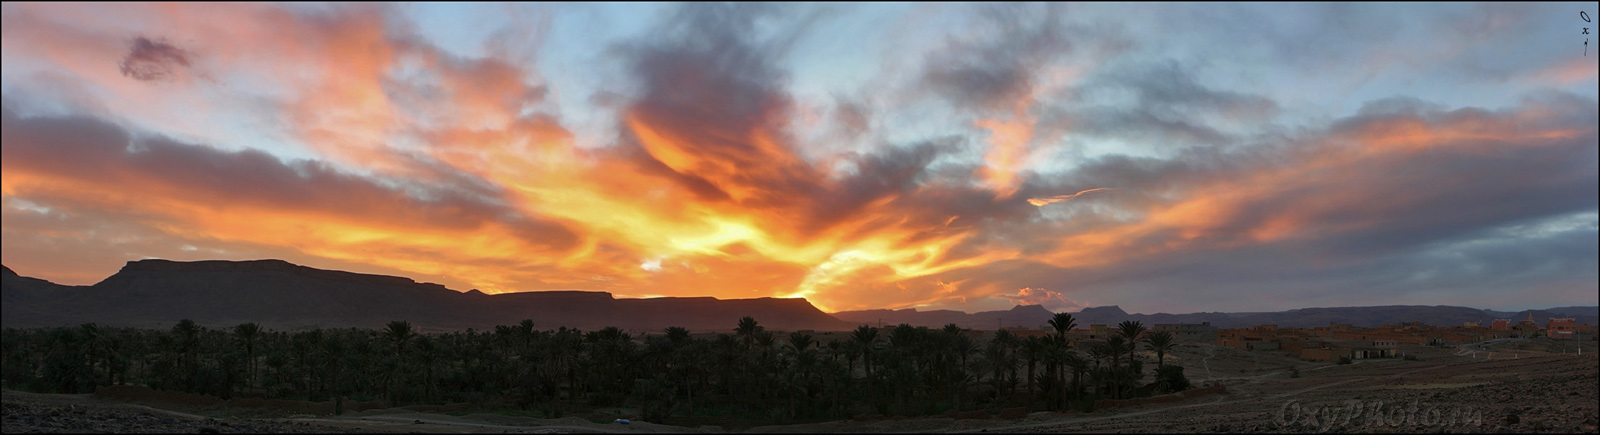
751	373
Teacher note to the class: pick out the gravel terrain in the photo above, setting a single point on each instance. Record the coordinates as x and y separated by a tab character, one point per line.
58	413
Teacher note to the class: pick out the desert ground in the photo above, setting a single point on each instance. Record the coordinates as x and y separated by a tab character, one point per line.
1527	386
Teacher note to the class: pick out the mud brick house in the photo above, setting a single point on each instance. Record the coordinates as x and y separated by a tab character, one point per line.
1561	329
1189	332
1585	332
1527	329
1353	349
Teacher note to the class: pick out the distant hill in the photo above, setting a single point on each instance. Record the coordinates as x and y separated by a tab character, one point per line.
1034	316
1020	315
277	294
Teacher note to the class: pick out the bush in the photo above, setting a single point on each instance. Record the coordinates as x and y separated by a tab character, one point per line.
1294	372
1410	357
1171	379
1344	360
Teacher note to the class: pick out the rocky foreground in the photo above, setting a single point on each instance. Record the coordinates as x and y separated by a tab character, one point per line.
48	413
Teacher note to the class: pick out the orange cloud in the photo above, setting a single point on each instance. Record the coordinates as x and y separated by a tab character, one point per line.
1041	202
1052	300
428	163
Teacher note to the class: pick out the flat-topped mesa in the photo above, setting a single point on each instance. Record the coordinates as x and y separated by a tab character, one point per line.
556	295
1108	310
158	265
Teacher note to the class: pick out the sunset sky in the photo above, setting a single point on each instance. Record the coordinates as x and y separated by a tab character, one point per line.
1160	157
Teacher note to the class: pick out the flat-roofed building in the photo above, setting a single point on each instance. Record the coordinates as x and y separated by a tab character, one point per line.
1562	329
1369	352
1261	344
1189	332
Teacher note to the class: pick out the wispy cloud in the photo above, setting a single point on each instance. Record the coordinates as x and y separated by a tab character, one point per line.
1041	202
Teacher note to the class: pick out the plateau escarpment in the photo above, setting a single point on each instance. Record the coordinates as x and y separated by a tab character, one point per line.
278	294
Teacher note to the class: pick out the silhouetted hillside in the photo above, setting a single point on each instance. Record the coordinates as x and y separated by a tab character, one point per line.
277	294
1035	316
1021	315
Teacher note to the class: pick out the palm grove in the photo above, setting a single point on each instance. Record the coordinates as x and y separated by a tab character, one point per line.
752	373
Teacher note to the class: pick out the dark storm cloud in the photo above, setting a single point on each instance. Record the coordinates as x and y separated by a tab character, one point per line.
149	60
88	150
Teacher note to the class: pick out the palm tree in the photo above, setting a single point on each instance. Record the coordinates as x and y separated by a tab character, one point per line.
1114	346
1161	342
864	339
113	351
766	365
565	349
188	340
800	343
1100	352
677	335
91	339
398	332
1004	354
1130	330
747	331
247	334
1053	381
304	345
1033	348
1062	322
1078	365
963	347
427	353
525	330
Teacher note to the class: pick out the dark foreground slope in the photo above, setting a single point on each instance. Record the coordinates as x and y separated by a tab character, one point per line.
277	294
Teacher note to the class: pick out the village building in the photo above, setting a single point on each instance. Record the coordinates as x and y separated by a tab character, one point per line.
1189	332
1562	329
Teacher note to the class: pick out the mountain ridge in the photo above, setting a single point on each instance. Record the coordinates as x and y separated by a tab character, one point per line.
156	293
276	293
1110	315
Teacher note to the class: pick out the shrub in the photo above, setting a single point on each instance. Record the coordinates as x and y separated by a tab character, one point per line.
1294	372
1344	360
1171	379
1410	357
